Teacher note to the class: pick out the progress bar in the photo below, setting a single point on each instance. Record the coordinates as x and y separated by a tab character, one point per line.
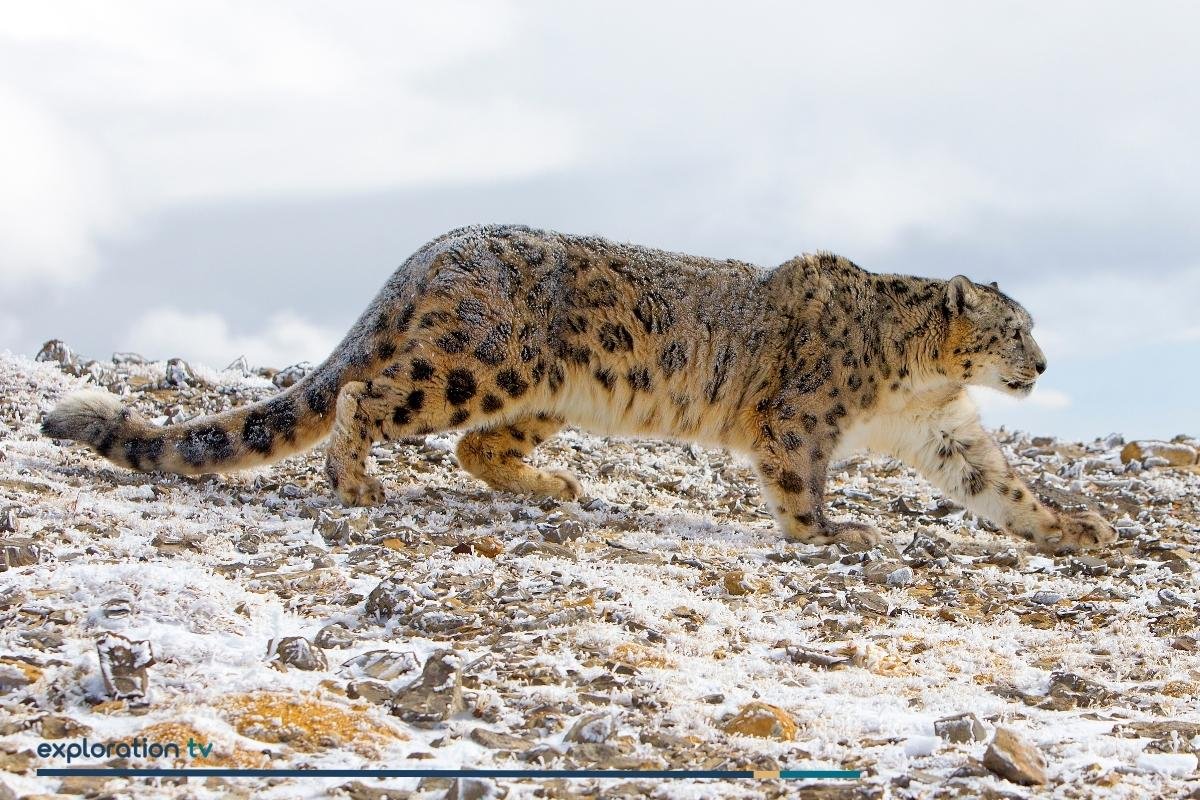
686	774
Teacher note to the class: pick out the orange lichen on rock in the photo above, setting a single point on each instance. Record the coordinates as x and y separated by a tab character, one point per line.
764	721
306	723
223	753
637	655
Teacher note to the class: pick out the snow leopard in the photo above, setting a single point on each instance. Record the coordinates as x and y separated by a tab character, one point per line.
508	333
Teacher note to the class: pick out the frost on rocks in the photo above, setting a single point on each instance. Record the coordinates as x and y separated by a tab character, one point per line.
124	666
288	376
1013	758
663	620
436	695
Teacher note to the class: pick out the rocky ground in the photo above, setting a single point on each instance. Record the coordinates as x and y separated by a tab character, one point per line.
660	623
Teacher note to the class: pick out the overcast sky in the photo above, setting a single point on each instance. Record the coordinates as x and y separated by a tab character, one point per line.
219	179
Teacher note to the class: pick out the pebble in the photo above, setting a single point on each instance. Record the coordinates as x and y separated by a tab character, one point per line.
391	598
561	532
15	553
434	621
1046	598
471	789
179	374
961	728
736	583
591	728
59	726
498	740
1069	691
436	695
56	351
289	376
298	652
371	691
816	658
548	549
128	359
334	636
385	665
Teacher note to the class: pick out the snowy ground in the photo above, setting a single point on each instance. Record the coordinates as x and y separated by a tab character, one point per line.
623	631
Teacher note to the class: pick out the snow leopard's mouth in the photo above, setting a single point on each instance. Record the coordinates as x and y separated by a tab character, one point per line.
1021	387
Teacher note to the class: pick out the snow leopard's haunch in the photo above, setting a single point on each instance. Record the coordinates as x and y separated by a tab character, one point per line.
508	333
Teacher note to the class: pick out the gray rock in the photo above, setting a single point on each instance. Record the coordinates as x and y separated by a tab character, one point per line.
391	598
497	740
960	728
1014	759
248	543
384	665
1087	565
371	691
334	636
128	359
339	527
594	728
1045	598
291	375
298	652
436	695
472	789
56	351
560	532
548	549
1069	691
15	552
179	374
816	658
435	621
124	666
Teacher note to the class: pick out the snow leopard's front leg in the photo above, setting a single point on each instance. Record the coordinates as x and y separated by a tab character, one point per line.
793	482
949	445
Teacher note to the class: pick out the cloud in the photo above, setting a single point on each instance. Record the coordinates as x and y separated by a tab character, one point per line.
206	102
58	196
1042	399
10	329
1107	312
206	338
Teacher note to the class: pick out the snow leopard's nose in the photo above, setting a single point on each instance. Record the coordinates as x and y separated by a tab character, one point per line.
1040	367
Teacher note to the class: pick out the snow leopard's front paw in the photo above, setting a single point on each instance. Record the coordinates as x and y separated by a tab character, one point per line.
853	534
1072	532
366	491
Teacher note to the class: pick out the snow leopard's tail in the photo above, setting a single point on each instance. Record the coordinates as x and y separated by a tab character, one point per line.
291	421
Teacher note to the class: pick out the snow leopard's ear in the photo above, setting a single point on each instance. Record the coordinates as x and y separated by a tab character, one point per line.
960	294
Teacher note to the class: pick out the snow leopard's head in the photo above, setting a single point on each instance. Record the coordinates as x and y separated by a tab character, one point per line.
990	341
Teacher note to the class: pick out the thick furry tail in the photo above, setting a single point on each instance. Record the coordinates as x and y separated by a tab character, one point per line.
292	421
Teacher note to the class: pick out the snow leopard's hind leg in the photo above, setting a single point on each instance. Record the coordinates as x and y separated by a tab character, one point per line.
496	456
414	396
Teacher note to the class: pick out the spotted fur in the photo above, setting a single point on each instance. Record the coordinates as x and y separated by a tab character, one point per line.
508	333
